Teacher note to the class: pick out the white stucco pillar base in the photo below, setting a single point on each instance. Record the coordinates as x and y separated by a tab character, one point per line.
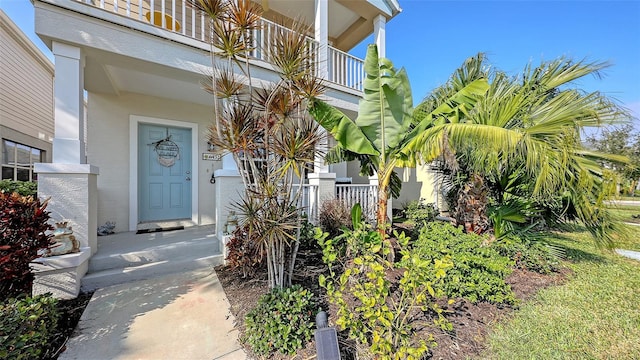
229	190
325	186
73	193
60	275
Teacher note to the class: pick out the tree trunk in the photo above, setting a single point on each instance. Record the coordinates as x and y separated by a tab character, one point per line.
381	215
471	208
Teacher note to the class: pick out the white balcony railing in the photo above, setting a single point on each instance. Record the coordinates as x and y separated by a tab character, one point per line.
309	201
179	17
345	69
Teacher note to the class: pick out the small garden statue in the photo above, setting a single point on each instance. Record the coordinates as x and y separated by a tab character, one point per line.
107	228
64	241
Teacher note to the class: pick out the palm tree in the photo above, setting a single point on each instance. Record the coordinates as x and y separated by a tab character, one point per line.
523	136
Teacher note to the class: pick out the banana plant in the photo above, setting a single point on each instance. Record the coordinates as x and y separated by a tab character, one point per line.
385	129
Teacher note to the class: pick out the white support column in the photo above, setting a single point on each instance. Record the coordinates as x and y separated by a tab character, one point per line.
322	37
325	185
229	189
379	24
68	142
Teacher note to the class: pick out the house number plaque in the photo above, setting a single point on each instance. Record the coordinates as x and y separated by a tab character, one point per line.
211	157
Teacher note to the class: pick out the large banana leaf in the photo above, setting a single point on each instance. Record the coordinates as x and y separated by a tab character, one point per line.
384	113
343	129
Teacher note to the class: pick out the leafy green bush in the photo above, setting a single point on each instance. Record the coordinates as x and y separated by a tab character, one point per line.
532	256
282	321
27	327
24	188
24	232
419	212
478	272
376	309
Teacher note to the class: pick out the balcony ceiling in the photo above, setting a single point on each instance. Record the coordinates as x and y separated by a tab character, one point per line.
350	21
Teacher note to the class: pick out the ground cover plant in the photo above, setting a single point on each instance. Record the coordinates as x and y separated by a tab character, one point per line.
417	212
281	322
478	270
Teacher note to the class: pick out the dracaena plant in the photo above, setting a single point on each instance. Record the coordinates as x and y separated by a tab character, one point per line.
266	129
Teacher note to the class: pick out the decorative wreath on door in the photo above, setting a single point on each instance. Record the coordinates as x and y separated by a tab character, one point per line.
167	150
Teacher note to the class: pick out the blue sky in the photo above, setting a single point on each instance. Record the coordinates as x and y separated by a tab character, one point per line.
432	38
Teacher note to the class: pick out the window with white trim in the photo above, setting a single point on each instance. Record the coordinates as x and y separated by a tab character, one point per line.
18	160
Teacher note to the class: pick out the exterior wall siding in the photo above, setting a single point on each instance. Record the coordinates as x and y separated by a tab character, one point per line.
417	183
109	150
26	99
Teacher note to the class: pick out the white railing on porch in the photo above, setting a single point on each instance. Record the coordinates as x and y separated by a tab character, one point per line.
179	17
365	195
309	201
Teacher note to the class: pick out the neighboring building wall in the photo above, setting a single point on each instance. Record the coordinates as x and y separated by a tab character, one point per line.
108	149
26	91
417	184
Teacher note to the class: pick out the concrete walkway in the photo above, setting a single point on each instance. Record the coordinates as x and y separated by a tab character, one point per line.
629	253
178	316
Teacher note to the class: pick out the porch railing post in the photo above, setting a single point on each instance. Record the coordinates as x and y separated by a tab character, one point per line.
325	187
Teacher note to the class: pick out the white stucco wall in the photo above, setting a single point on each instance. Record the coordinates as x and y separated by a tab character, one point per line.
108	149
417	184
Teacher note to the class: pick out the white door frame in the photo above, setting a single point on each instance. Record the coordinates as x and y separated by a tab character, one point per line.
134	121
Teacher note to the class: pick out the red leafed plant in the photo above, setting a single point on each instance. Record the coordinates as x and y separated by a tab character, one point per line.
23	232
244	251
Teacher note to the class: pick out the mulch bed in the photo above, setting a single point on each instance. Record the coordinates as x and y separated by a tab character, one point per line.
471	322
70	313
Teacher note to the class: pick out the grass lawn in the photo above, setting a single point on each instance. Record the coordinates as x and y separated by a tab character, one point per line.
595	315
626	212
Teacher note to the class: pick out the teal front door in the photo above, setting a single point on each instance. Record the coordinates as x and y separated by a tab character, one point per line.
164	173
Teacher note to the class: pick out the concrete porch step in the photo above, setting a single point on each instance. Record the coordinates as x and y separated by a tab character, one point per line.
152	253
126	257
105	278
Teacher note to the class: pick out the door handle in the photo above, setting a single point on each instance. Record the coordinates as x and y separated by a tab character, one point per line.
188	178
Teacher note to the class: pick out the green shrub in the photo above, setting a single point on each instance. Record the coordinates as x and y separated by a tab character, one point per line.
24	188
378	310
478	272
532	256
282	321
24	232
420	213
27	327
